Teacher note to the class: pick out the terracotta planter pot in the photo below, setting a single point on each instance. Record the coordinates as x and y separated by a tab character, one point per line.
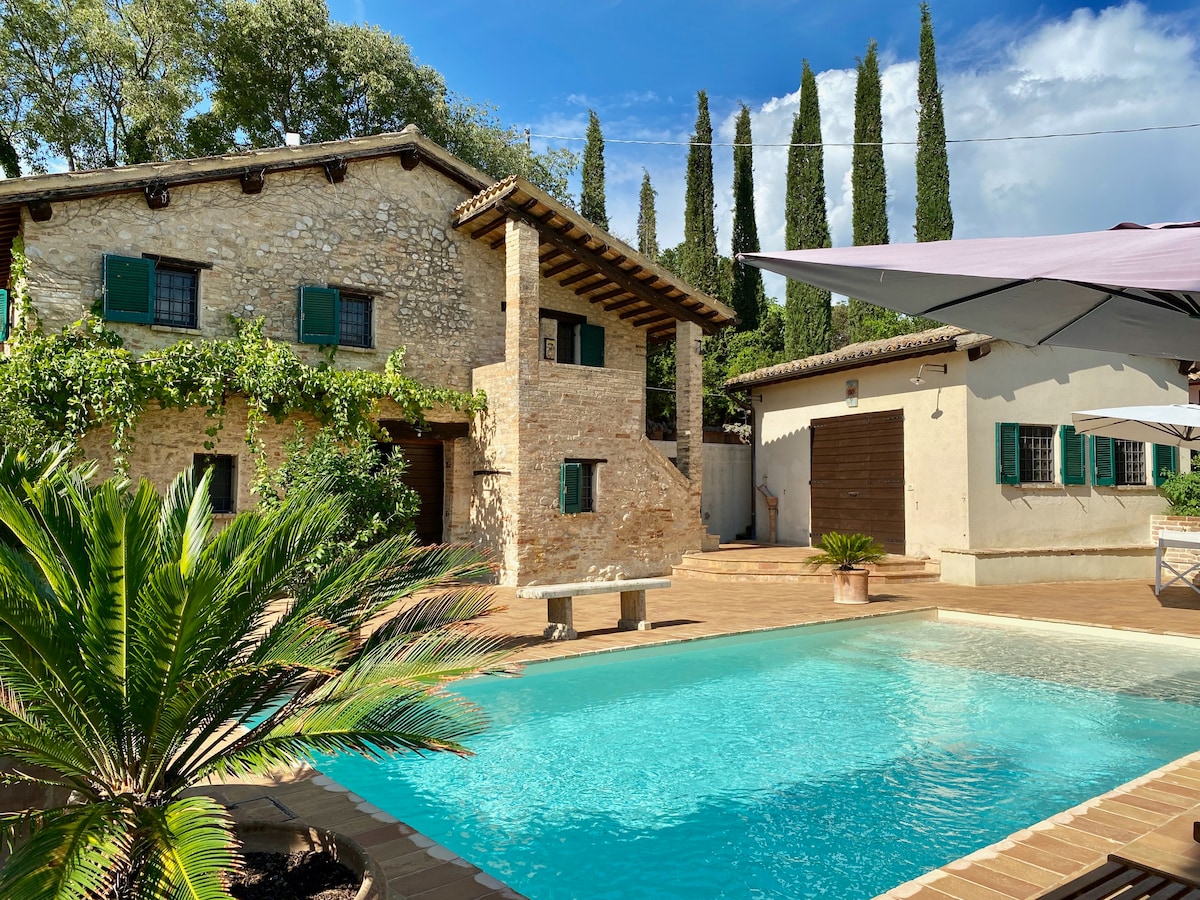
286	837
850	586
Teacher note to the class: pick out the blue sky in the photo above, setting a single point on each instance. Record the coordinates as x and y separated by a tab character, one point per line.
1007	68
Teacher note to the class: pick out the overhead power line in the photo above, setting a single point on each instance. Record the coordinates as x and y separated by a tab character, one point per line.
976	140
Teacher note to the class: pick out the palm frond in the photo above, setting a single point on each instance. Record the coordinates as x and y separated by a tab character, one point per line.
186	851
71	854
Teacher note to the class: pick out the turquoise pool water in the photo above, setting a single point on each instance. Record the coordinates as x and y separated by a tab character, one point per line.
807	763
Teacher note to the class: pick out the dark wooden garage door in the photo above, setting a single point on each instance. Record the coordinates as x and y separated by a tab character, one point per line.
858	477
426	475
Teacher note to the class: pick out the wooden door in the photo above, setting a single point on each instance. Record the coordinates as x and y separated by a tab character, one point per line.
857	481
425	474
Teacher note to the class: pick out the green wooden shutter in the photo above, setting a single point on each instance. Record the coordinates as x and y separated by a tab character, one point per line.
1166	462
129	289
319	320
570	488
1074	456
1104	469
3	316
591	345
1008	455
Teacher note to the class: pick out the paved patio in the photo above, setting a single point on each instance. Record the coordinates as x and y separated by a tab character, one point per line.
1150	815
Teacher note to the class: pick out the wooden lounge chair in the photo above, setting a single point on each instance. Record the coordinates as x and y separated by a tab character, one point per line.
1120	879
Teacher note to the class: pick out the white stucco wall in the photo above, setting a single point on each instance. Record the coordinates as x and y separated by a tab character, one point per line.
1043	386
952	500
935	470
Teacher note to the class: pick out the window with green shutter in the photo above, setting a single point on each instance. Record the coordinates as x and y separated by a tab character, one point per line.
319	318
128	289
3	316
570	489
1008	453
1074	456
1104	469
1166	462
591	345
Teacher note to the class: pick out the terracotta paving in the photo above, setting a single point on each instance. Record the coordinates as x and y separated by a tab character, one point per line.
1151	816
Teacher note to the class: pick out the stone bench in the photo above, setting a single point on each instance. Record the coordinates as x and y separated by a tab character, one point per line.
559	611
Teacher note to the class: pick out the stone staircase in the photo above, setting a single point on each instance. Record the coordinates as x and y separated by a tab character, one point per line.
782	565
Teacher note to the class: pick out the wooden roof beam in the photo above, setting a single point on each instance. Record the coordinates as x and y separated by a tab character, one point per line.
497	222
621	304
653	320
580	276
608	295
615	274
560	268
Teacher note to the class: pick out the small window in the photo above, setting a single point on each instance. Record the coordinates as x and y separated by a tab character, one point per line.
355	316
176	296
222	487
576	341
1024	453
1130	462
577	487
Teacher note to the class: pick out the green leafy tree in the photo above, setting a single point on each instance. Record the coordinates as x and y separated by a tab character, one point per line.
698	258
591	195
647	227
747	291
141	654
808	327
868	179
95	83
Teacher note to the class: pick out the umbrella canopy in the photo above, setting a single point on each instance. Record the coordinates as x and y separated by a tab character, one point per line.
1131	289
1174	423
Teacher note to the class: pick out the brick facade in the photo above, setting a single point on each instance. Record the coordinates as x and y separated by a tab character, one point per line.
468	316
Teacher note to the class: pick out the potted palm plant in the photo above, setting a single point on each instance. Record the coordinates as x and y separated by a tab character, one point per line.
845	552
141	654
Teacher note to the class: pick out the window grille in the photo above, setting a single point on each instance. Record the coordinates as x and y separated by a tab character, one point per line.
176	296
355	318
1036	443
1130	462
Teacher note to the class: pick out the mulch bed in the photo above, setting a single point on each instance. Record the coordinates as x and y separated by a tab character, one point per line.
295	876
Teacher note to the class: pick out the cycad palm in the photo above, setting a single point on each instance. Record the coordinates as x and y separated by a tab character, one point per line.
139	655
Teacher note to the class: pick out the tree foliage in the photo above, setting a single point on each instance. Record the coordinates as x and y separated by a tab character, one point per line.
807	314
591	194
747	294
141	655
93	83
647	227
868	179
698	257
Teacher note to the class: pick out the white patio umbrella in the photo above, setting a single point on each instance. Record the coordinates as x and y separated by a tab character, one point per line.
1131	289
1173	423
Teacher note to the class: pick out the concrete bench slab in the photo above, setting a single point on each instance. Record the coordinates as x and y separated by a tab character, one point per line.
559	606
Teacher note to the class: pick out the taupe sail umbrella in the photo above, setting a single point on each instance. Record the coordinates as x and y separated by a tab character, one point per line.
1171	423
1131	289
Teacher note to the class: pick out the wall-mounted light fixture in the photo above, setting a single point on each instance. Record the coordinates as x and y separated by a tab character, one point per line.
932	367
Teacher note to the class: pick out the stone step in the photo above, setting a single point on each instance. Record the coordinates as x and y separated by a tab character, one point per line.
811	576
783	565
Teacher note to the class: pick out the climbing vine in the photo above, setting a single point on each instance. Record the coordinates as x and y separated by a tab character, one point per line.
65	384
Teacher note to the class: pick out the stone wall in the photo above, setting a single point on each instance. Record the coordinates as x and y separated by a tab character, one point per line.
1176	556
383	231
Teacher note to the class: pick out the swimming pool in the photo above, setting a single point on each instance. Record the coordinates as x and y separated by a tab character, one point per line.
812	762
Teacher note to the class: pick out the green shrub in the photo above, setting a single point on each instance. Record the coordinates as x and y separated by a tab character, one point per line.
1182	489
845	551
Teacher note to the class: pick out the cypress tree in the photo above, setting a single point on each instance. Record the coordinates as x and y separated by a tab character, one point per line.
868	180
699	257
647	227
807	317
591	195
935	220
747	293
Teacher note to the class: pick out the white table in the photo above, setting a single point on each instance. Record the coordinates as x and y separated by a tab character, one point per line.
1184	540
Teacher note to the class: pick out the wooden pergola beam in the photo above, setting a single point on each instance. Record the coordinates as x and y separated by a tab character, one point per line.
498	222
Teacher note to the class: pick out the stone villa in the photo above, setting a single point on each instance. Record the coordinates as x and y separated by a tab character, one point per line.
386	241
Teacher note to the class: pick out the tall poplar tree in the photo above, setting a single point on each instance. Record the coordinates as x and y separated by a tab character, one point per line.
591	195
647	226
807	316
699	256
868	180
748	296
935	220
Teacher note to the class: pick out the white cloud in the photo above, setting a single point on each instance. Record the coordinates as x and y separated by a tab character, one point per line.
1120	68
